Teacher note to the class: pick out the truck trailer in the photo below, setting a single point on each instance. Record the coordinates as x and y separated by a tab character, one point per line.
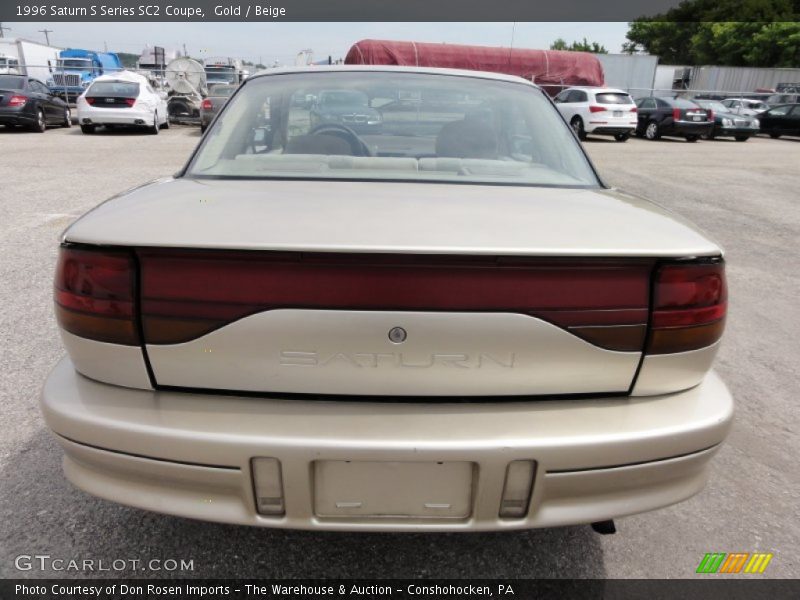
25	57
552	70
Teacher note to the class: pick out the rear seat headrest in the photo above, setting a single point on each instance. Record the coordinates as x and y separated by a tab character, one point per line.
470	138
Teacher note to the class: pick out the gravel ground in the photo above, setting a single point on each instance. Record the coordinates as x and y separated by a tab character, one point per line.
744	194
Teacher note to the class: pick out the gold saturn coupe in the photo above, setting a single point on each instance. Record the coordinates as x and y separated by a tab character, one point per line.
448	323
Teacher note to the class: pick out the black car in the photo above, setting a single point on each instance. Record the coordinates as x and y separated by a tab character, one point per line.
345	107
728	124
781	120
28	103
675	117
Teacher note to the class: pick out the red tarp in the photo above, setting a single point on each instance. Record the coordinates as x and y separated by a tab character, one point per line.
551	69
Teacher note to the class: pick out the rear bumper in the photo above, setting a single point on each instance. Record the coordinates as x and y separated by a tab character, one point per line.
681	128
115	116
16	117
613	130
735	131
189	454
601	124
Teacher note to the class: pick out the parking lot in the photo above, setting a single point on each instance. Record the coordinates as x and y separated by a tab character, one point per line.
744	194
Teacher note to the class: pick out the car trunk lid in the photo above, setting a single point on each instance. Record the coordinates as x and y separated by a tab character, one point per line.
391	290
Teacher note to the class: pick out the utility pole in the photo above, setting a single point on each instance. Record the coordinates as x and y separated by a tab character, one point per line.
3	29
46	33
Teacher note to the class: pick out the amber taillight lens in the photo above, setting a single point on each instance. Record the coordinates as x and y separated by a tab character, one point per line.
689	305
95	294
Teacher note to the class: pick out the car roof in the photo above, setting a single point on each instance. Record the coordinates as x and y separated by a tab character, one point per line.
596	89
391	69
121	77
672	99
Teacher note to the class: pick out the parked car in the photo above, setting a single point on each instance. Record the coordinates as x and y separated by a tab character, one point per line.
675	117
124	99
456	326
345	107
217	97
728	124
745	106
599	111
781	120
27	102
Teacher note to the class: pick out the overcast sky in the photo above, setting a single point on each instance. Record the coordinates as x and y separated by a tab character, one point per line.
268	42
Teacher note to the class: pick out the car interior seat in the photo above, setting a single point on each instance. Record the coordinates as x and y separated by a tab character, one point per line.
468	138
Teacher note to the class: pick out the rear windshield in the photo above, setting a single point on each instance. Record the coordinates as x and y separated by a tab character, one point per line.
392	126
713	105
682	103
613	98
221	90
9	82
119	89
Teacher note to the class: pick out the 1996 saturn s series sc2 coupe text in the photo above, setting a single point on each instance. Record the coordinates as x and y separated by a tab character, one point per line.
447	324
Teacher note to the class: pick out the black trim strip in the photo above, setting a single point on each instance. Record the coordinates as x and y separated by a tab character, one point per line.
651	300
139	317
633	464
132	455
421	399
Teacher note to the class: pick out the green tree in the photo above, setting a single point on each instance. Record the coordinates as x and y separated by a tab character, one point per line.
584	46
765	33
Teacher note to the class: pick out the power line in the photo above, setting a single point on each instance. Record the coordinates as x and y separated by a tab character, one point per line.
46	33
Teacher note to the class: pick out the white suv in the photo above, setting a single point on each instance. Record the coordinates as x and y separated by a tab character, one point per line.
601	111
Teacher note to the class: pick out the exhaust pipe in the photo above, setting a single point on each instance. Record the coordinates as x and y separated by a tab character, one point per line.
604	527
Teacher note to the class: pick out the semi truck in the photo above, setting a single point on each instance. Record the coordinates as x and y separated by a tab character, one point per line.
9	65
77	68
223	70
19	56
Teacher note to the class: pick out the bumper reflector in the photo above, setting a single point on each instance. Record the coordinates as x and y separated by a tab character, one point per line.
517	489
268	486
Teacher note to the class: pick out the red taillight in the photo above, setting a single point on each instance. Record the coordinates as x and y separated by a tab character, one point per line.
689	306
206	105
130	101
95	295
676	114
17	101
89	100
596	109
710	115
188	294
634	109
